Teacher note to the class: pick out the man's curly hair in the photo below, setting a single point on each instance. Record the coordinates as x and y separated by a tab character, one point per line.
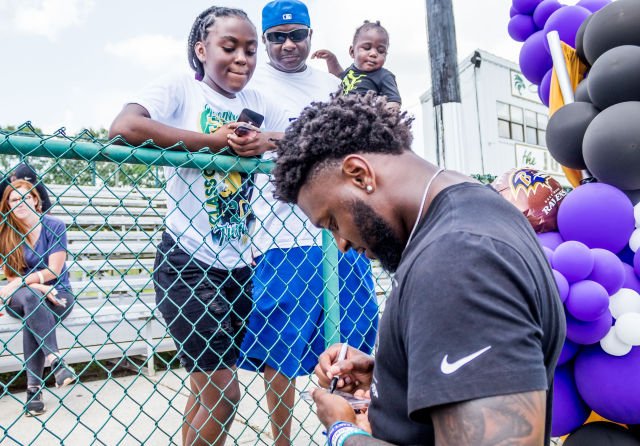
326	132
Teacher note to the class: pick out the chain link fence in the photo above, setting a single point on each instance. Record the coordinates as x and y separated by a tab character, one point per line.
132	305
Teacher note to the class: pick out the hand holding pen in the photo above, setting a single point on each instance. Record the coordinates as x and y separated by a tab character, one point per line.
341	357
353	368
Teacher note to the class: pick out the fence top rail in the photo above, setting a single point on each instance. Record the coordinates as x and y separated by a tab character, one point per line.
118	150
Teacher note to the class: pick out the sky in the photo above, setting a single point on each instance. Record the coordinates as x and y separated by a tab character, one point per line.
75	63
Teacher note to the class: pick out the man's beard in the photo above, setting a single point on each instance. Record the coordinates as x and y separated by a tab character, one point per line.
378	236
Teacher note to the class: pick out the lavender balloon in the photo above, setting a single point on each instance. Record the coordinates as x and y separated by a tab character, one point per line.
569	411
535	61
593	5
550	239
631	280
586	333
569	351
544	10
544	90
607	270
597	215
566	21
587	300
574	260
563	285
526	6
610	385
521	27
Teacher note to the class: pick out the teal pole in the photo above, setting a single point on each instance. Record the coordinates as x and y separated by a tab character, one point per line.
331	289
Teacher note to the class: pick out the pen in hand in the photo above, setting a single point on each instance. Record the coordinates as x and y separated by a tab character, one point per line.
341	357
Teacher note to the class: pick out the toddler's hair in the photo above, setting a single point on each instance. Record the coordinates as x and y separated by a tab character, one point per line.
199	32
366	26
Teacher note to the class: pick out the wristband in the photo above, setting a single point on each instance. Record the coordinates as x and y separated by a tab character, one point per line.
40	277
342	430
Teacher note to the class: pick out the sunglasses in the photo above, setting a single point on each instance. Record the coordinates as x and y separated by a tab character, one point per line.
279	37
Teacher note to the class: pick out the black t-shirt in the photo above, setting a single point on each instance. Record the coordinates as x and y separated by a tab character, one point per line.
382	81
474	312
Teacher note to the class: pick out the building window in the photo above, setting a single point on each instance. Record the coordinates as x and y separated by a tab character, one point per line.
521	125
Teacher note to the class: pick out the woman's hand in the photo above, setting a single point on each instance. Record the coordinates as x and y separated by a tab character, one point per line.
50	292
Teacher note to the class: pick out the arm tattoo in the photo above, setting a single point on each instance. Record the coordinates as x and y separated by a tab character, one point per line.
514	420
363	440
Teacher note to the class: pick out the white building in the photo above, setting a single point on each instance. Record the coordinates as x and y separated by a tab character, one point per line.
504	122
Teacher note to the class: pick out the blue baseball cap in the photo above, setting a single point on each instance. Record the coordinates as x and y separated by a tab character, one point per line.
284	12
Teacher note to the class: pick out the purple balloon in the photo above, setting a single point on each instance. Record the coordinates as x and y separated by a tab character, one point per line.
593	5
607	270
544	10
587	300
631	280
513	11
636	261
521	27
610	385
585	333
563	285
535	61
569	351
566	21
569	411
526	6
574	260
549	254
544	90
550	239
598	215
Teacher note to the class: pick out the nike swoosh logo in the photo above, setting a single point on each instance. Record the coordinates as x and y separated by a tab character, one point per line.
449	368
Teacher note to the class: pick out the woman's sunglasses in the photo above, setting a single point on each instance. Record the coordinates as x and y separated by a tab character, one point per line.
279	37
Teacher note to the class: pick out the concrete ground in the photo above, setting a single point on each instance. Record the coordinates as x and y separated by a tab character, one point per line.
135	410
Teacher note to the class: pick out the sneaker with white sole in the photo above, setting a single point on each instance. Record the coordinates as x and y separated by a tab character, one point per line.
63	373
34	405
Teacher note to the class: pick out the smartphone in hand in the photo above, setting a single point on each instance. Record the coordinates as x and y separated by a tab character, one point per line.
250	117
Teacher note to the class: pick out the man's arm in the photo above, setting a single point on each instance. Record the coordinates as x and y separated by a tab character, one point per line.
507	420
514	420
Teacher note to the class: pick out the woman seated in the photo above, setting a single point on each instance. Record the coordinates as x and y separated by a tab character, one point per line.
33	251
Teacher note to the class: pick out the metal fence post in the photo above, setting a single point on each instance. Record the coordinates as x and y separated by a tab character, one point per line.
331	289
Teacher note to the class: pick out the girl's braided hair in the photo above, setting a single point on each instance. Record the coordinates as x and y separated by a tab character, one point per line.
200	30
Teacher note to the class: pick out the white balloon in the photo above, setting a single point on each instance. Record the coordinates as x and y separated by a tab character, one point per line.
612	345
636	214
624	301
634	240
628	328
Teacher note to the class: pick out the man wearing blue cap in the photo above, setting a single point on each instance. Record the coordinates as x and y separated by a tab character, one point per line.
285	330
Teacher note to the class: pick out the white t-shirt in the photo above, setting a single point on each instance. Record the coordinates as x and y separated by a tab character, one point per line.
208	213
282	225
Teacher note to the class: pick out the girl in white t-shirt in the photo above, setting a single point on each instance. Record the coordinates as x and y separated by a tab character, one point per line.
201	273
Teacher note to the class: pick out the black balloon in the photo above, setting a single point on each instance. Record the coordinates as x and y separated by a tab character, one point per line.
614	78
611	146
580	40
565	132
601	433
634	196
614	25
582	92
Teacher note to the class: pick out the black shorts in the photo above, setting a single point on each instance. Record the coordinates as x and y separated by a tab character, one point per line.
205	308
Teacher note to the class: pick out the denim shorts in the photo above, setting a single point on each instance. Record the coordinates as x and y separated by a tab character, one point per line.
205	308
